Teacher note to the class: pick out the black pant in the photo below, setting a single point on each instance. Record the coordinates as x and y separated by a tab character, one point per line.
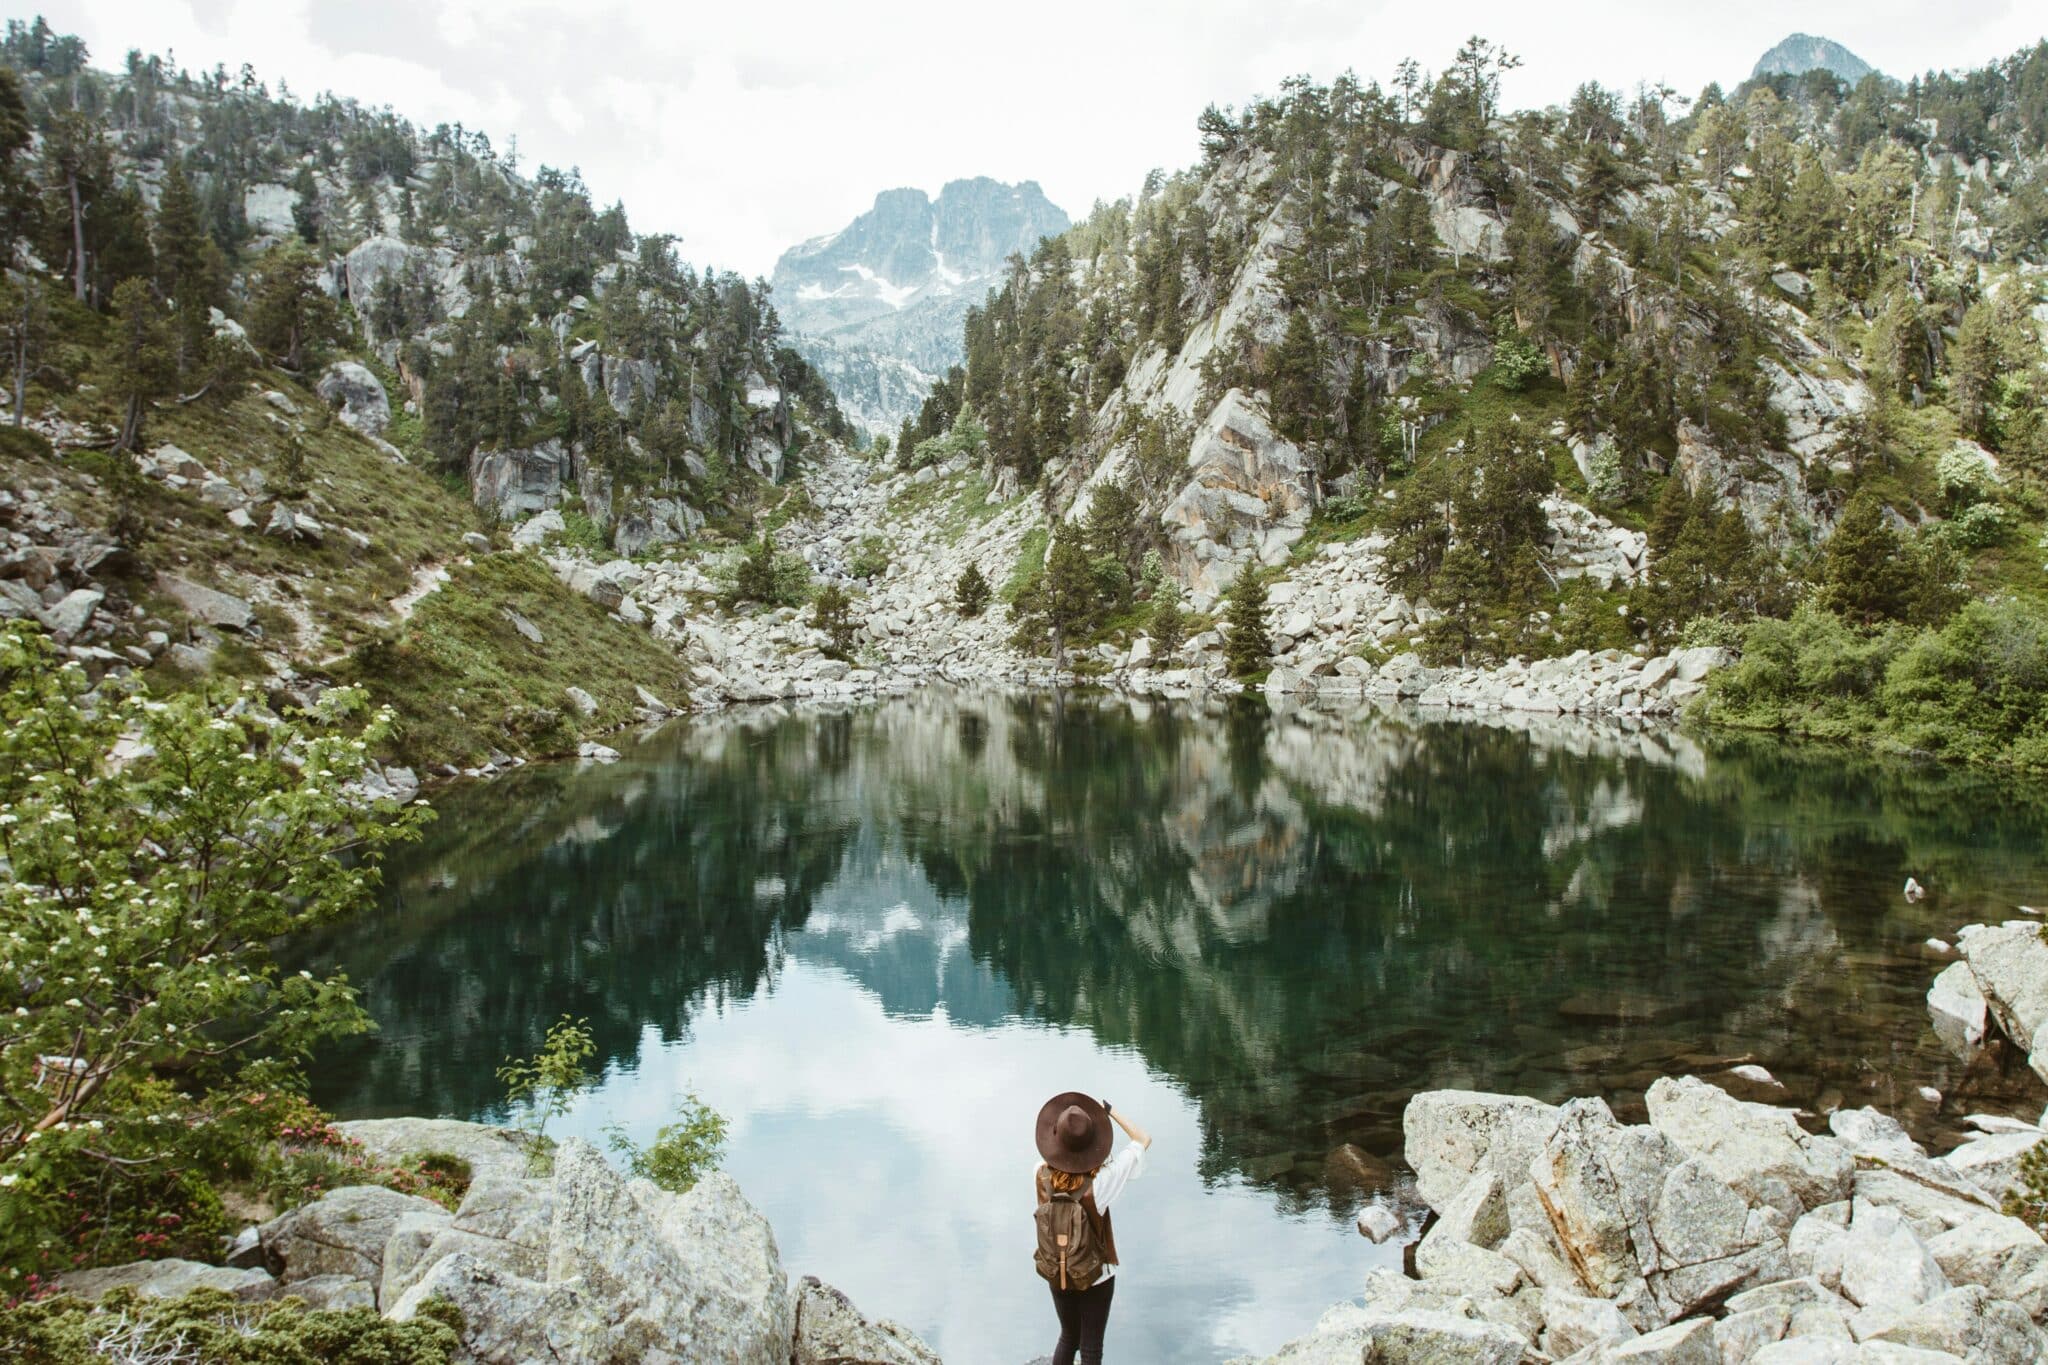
1084	1314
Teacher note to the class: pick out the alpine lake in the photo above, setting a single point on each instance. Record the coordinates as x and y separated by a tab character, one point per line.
877	938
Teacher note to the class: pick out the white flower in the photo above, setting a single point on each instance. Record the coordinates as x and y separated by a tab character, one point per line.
7	1180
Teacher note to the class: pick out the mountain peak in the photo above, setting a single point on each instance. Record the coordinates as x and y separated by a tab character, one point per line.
1803	52
886	293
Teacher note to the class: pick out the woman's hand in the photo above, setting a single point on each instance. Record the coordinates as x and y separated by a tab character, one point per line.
1131	1130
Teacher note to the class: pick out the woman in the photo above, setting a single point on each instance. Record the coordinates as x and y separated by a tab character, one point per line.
1074	1138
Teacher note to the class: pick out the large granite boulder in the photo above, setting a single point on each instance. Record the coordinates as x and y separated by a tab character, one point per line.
343	1233
1957	1006
1451	1135
1403	1334
697	1274
207	606
504	1223
831	1331
2010	963
359	394
1761	1151
1656	1232
508	1319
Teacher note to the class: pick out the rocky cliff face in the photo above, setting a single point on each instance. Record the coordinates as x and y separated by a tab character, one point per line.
877	305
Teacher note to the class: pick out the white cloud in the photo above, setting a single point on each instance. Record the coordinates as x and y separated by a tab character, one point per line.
747	130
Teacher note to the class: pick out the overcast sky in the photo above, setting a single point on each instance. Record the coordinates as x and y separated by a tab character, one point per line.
746	127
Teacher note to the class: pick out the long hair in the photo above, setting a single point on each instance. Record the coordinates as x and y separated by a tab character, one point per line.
1066	1182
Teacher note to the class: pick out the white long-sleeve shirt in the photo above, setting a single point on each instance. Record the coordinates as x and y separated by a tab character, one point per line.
1117	1172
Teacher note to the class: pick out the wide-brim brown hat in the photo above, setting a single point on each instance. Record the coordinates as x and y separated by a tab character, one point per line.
1073	1133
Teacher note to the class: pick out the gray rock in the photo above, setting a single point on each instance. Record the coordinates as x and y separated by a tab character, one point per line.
359	394
1682	1343
334	1291
1403	1335
2000	1253
1965	1322
1880	1260
207	606
524	626
2010	963
169	1279
341	1234
1378	1223
1992	1163
1575	1322
511	1320
476	542
1449	1135
532	533
696	1274
1869	1133
489	1151
1461	1268
1958	1009
1477	1213
1761	1151
599	753
71	613
1644	1226
581	700
831	1331
513	483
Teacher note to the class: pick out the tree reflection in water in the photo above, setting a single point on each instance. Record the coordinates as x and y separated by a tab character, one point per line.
1299	918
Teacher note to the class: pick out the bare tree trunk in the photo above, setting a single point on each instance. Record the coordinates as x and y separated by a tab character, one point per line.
77	241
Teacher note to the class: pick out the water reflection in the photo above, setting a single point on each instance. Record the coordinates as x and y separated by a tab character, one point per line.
873	934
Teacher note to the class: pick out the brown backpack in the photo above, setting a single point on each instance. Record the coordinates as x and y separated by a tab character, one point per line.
1070	1250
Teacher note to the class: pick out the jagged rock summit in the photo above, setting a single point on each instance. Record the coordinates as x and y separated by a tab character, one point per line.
878	304
1802	52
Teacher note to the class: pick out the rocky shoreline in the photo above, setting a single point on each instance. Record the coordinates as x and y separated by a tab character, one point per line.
1331	614
1721	1231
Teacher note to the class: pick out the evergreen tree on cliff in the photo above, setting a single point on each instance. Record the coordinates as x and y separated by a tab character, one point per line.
1247	648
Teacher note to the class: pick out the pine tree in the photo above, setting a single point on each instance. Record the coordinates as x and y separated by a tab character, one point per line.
1866	574
971	594
307	218
1168	625
184	268
290	315
141	365
1247	648
832	613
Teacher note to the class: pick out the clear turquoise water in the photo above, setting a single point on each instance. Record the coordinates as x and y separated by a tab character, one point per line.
876	939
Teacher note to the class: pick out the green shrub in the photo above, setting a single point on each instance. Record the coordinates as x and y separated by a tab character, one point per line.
870	558
1517	361
211	1326
681	1151
1975	690
767	576
547	1084
254	833
580	530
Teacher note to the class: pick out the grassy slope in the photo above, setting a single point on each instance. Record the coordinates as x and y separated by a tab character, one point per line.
464	679
326	609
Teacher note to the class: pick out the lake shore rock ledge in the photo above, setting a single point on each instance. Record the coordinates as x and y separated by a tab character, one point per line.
1720	1232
